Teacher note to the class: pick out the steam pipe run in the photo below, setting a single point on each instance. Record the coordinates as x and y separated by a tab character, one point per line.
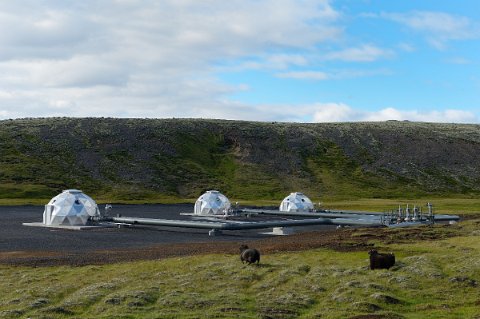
242	225
326	214
338	214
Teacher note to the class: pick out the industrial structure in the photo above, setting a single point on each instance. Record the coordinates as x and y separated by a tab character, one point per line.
70	208
213	211
212	203
296	202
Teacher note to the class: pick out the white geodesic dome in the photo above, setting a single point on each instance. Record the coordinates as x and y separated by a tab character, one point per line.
70	208
296	202
212	203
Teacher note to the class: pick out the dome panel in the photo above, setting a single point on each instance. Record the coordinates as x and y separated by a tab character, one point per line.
71	207
296	202
212	203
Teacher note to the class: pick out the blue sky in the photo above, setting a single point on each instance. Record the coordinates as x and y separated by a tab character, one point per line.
265	60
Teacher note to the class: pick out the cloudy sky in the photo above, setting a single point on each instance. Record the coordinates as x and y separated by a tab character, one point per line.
264	60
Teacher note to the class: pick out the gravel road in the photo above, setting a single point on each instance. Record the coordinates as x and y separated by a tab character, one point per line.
45	246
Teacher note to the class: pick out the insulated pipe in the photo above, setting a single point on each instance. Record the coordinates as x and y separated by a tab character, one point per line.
242	225
326	214
338	214
438	217
167	222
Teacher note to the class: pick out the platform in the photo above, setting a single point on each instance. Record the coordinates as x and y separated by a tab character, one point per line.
67	227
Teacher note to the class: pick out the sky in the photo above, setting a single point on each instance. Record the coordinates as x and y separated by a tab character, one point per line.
261	60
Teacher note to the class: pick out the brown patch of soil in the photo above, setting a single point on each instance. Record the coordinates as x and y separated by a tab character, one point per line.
347	239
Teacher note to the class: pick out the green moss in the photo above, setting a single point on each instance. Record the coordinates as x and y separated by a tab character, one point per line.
338	176
152	159
425	283
19	191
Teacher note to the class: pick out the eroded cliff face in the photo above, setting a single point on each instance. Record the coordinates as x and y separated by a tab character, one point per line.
139	158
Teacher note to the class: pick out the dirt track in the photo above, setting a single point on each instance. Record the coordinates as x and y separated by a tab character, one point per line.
21	245
350	239
46	246
336	239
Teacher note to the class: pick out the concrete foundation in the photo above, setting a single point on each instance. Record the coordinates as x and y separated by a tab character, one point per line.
281	231
66	227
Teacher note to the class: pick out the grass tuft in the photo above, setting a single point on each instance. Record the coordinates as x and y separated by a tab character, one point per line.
433	278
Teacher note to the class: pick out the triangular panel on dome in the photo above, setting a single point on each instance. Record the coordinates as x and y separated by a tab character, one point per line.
212	203
72	207
296	202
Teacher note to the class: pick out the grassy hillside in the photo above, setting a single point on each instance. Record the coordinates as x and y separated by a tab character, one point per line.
153	160
437	275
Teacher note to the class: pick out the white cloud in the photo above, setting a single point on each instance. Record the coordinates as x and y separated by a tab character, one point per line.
333	112
268	62
457	116
364	53
445	116
137	58
338	112
438	27
352	73
332	75
142	58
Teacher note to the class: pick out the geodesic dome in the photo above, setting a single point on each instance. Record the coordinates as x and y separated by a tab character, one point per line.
70	208
212	203
296	202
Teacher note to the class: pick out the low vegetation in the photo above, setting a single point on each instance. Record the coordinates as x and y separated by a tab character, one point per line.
172	160
361	166
437	275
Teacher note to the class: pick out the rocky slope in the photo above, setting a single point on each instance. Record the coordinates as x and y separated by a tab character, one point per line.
180	158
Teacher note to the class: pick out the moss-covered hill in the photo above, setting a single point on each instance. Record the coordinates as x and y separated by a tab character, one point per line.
154	159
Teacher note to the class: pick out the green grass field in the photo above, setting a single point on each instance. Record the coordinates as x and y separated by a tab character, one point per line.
341	166
436	278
